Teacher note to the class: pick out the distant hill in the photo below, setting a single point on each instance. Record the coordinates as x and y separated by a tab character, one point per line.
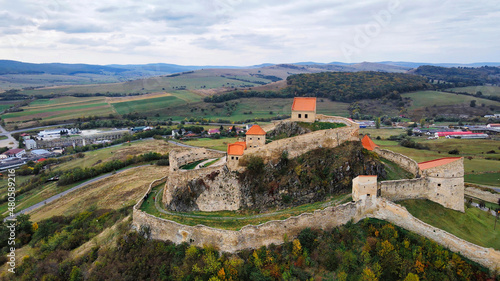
15	67
461	76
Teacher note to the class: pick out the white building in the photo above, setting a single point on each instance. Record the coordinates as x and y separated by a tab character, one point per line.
52	134
30	144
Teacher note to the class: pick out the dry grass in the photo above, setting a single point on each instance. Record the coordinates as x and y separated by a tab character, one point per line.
114	192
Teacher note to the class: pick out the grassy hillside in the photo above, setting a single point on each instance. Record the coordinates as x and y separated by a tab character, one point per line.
435	98
485	90
474	225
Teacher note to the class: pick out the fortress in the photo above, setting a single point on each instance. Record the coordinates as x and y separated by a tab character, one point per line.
217	188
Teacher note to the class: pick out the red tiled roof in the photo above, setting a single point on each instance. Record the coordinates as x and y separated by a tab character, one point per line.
236	148
368	143
304	104
41	160
256	130
443	134
437	162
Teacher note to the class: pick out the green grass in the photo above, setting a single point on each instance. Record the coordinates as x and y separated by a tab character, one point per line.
474	225
431	98
147	104
211	162
3	137
382	133
191	165
4	106
218	144
485	90
317	126
233	220
491	179
395	172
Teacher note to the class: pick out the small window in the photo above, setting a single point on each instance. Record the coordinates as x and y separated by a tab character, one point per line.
232	157
305	116
300	115
237	158
439	184
258	138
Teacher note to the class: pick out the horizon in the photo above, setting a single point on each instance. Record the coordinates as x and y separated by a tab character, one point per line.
240	33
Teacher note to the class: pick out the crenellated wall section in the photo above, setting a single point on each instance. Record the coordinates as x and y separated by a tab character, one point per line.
178	157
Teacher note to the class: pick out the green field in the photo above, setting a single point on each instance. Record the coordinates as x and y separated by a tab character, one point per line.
474	225
431	98
147	104
491	179
64	108
218	144
485	90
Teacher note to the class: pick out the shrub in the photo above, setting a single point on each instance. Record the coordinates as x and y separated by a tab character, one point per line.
454	151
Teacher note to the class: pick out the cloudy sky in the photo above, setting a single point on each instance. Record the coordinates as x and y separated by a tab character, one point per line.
249	32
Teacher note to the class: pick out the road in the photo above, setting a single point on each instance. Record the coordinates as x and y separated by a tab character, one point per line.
9	139
57	196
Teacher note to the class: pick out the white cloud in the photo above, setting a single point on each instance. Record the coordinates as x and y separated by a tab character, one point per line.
238	32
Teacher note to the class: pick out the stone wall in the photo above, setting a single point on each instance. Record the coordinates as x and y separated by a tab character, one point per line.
273	231
299	145
404	189
178	158
403	161
220	188
482	194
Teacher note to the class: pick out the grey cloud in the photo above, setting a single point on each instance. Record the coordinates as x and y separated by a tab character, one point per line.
7	19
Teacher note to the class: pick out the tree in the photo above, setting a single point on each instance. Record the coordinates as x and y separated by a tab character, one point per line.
377	123
473	103
422	122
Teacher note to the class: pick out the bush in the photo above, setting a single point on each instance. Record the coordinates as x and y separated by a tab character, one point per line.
163	162
454	151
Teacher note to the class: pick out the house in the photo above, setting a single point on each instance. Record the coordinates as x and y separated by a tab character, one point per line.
304	109
30	144
493	125
213	131
138	129
235	152
255	137
15	152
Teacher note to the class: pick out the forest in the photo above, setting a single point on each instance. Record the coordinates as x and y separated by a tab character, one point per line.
368	250
461	76
338	86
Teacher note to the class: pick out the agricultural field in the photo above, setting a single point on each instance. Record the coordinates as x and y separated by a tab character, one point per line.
59	109
458	223
485	90
431	98
203	79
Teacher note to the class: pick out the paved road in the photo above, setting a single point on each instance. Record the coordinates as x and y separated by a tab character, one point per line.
9	139
57	196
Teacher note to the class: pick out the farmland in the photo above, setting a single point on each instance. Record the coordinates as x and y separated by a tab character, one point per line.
60	109
435	98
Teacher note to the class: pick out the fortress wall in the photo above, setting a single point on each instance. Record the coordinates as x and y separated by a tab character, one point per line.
178	158
336	119
182	177
273	231
405	162
301	144
404	189
398	215
483	195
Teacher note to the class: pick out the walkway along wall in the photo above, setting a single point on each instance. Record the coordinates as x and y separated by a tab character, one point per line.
178	158
272	232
